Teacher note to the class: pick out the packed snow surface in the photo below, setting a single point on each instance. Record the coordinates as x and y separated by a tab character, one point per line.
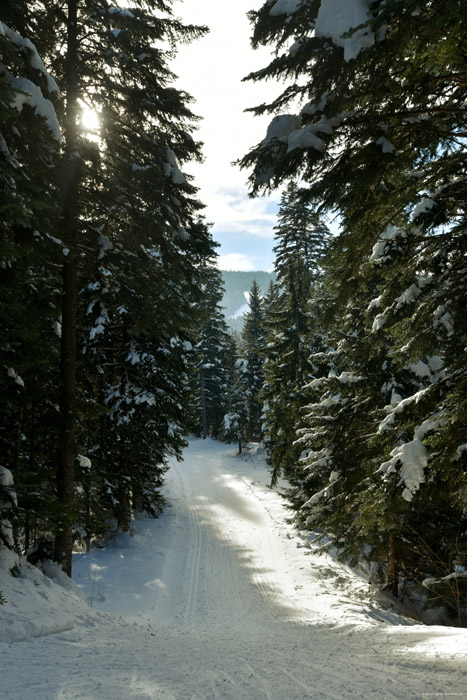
219	598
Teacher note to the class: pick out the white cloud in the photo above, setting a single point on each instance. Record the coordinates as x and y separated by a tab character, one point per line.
211	69
236	261
254	228
232	211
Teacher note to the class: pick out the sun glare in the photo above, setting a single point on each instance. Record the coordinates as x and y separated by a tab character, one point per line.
89	119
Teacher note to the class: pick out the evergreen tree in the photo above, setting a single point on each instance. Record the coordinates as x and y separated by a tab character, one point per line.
114	49
236	420
30	137
8	502
126	218
270	307
252	338
212	350
292	334
379	139
300	233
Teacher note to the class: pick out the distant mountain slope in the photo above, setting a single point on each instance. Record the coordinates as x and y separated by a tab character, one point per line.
237	285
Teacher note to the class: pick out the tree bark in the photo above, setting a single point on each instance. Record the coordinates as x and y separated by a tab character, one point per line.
137	498
69	233
203	407
123	512
65	473
393	565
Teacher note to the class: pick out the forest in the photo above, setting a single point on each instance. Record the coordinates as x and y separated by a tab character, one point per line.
114	347
236	285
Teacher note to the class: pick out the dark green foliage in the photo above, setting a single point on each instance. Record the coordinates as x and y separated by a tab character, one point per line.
301	234
291	323
383	438
237	403
213	350
28	260
115	211
251	366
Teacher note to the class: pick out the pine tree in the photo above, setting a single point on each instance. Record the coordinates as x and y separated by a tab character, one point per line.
378	139
270	307
301	234
236	419
145	141
135	250
212	349
302	240
252	338
8	502
30	137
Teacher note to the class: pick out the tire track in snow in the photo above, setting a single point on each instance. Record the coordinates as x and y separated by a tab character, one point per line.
193	562
217	579
222	573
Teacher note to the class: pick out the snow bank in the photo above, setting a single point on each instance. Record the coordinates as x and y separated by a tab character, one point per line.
38	602
213	596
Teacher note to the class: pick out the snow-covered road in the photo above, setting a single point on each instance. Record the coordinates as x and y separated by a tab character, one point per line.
220	598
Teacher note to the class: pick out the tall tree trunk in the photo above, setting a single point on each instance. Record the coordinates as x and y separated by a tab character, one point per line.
69	233
30	470
123	512
393	564
204	412
65	473
137	498
87	511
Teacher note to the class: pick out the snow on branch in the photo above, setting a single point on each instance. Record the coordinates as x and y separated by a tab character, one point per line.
414	457
172	169
337	19
389	421
26	46
284	7
25	91
343	378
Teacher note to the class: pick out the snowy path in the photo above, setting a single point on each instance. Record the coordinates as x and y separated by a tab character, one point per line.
219	599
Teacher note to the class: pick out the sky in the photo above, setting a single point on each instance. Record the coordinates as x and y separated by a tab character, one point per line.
211	70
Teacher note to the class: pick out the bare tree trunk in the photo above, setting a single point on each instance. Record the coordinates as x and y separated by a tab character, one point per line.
87	512
393	564
123	518
68	223
137	498
204	412
123	513
65	473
